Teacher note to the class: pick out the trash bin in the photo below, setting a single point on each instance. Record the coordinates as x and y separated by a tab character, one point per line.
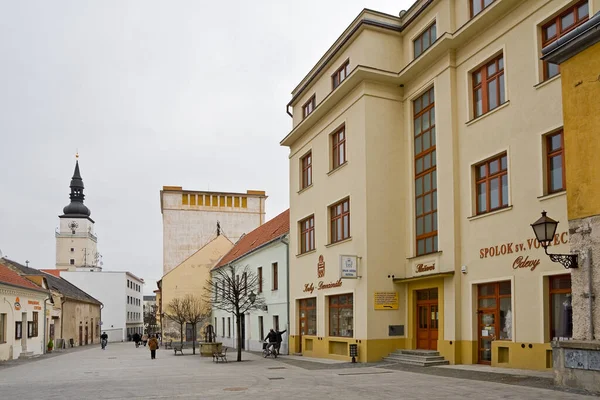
353	352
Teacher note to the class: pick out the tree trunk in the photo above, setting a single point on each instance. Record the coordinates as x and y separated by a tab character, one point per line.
181	333
194	339
239	336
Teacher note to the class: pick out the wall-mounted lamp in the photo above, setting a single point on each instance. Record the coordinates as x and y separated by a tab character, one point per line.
544	229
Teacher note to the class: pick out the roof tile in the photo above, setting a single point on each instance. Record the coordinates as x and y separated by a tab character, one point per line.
271	230
10	277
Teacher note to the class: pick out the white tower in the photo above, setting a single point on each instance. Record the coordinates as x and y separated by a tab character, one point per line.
75	240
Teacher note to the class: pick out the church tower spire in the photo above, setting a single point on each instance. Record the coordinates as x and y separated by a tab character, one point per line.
76	208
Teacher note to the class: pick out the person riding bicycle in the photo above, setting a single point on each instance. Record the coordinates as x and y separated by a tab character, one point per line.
103	340
272	338
137	339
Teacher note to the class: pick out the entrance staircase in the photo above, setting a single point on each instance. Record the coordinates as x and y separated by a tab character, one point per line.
422	358
26	354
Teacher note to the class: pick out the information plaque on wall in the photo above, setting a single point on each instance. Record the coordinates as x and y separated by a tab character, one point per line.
386	300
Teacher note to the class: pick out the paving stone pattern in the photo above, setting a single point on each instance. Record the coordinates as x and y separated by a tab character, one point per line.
124	372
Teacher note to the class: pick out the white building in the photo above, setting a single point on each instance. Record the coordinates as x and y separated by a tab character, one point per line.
191	219
122	296
265	252
76	244
22	309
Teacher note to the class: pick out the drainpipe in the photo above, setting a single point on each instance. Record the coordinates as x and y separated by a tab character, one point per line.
46	336
590	294
285	240
62	321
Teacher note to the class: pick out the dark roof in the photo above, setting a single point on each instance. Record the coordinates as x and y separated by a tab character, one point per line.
574	42
264	234
58	284
76	209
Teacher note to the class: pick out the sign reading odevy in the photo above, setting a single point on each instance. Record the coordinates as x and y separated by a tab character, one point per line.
348	266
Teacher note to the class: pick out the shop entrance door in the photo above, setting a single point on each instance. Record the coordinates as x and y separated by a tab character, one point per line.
307	319
427	319
80	335
494	317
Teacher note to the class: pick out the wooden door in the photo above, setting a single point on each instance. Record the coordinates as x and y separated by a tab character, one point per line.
494	317
80	335
427	319
307	319
86	335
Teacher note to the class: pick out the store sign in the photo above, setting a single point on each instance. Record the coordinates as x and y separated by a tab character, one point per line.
348	267
521	262
36	304
425	267
515	247
321	267
386	300
17	304
309	287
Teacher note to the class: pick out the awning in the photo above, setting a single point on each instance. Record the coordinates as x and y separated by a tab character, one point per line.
424	277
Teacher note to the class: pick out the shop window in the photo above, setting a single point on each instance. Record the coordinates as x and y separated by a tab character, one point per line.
340	221
72	261
228	326
561	311
492	184
308	316
341	316
3	319
425	174
494	316
558	26
425	40
306	163
478	6
261	327
555	162
307	234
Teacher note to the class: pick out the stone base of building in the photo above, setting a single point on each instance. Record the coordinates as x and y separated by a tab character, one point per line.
577	364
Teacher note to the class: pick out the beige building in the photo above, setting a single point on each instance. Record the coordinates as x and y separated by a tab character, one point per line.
192	218
190	277
422	148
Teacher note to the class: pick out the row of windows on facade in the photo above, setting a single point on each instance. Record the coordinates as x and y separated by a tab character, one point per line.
488	81
261	327
208	200
491	176
132	285
133	300
133	316
32	327
242	284
131	331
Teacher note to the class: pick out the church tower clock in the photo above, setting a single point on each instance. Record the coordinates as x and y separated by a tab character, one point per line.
76	243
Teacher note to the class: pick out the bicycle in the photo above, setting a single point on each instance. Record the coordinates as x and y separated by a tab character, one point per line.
269	350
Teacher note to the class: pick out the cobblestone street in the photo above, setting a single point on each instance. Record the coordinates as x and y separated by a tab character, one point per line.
122	371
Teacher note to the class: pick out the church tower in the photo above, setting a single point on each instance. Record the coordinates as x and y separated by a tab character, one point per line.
75	240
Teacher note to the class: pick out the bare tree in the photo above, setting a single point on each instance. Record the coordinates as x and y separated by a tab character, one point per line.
176	312
196	312
234	289
150	321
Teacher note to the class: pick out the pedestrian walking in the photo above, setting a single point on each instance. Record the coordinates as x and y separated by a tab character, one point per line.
103	340
145	339
153	345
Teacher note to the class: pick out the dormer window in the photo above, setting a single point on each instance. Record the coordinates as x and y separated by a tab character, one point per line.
309	106
341	74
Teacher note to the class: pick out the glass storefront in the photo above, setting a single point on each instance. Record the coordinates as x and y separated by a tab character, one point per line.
341	310
561	311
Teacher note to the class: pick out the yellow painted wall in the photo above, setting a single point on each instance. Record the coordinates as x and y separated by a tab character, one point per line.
190	276
581	102
76	314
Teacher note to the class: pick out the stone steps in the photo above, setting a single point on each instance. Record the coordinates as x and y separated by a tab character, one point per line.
423	358
26	354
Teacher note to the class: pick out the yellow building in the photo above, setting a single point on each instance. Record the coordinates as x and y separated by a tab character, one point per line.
189	277
422	147
578	55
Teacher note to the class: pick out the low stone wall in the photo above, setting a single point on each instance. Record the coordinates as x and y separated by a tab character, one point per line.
577	364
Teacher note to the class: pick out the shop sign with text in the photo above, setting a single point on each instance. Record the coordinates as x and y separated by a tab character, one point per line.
309	287
425	267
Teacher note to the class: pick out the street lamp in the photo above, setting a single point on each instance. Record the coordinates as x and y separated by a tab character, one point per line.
544	229
252	297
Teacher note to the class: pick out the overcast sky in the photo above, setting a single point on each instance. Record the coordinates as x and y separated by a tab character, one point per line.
151	93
